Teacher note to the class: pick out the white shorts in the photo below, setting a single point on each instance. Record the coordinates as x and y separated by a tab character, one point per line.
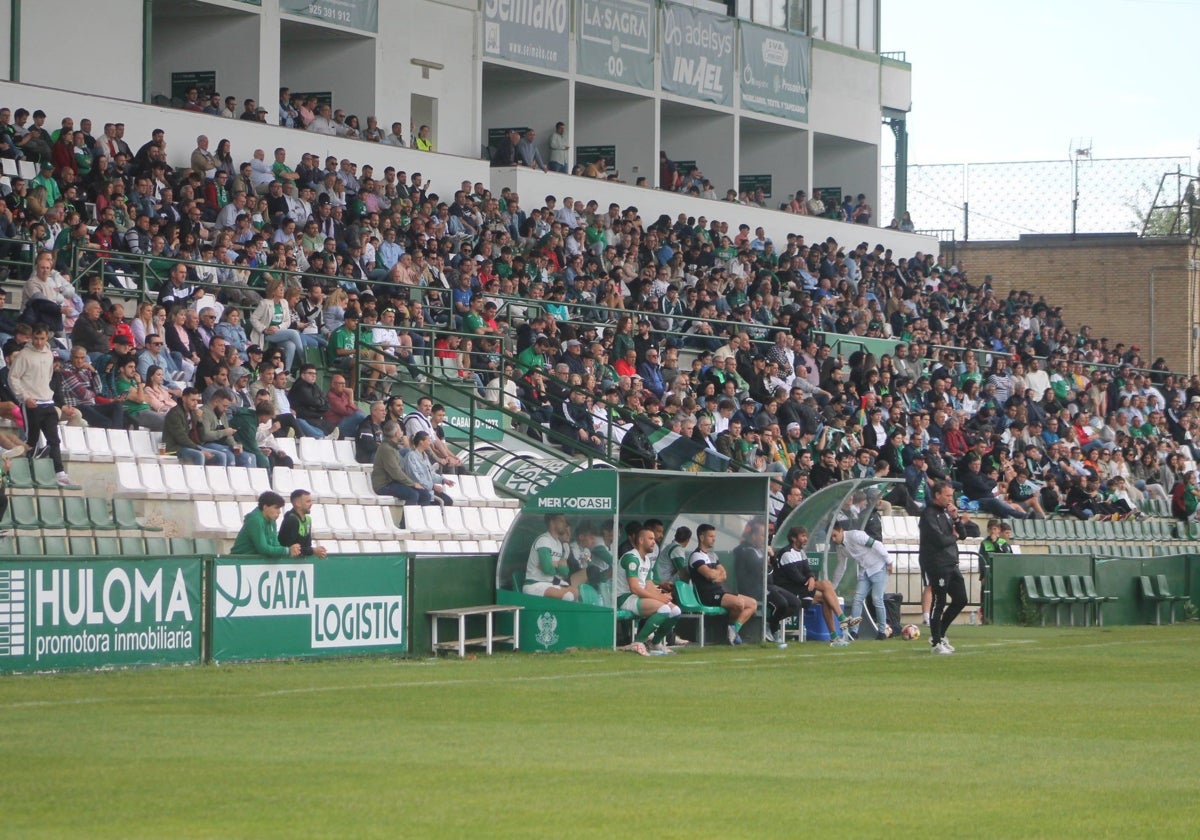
632	603
539	587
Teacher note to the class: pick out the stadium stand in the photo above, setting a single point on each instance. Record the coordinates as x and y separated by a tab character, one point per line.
637	325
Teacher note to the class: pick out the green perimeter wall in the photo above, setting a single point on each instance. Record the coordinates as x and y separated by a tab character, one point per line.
439	583
1114	576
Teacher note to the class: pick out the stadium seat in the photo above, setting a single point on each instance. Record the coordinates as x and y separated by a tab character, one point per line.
126	517
1164	591
29	545
450	547
339	482
73	444
50	512
415	524
75	513
691	606
24	513
100	513
1064	596
81	546
343	453
453	516
435	520
20	474
44	476
350	547
205	545
1042	595
55	546
490	519
320	486
218	482
360	482
153	484
382	523
1150	595
241	483
182	546
135	546
120	445
320	523
144	444
230	517
192	477
129	480
335	517
283	481
108	546
288	447
158	547
97	444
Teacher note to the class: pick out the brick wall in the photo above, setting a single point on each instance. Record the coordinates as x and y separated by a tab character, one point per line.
1105	282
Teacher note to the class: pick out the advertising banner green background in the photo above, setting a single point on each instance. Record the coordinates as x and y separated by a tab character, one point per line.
775	72
99	613
335	606
616	41
356	14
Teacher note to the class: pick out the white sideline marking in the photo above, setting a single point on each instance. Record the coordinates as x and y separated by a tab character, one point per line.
775	661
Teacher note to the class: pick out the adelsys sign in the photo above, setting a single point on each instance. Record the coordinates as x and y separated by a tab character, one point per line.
99	613
319	608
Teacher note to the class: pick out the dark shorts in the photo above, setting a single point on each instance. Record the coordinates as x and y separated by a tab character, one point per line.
710	596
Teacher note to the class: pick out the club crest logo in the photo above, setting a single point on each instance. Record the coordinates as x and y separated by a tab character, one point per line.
547	634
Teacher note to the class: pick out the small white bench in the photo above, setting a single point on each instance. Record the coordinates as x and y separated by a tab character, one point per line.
488	611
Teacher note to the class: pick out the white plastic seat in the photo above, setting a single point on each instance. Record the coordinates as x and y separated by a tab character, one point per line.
288	447
422	547
208	518
260	479
283	481
453	516
129	480
152	481
343	451
435	520
339	482
450	547
357	547
356	517
332	546
320	486
473	521
73	443
390	546
380	521
507	517
335	515
193	477
120	445
469	547
240	483
457	492
360	482
97	444
144	444
491	522
231	516
218	482
414	522
320	523
174	478
489	546
318	452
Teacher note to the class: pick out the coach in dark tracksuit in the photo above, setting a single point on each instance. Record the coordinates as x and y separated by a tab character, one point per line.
940	532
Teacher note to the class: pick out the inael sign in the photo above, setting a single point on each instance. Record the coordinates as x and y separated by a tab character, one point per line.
775	72
532	32
616	41
98	613
336	605
697	50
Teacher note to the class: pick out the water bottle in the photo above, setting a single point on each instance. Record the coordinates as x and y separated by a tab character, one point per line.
971	619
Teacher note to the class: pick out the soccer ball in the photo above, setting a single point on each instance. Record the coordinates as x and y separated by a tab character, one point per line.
910	632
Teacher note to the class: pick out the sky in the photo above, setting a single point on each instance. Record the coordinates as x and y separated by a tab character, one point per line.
1033	79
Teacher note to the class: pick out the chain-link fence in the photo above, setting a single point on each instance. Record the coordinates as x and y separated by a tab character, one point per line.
983	201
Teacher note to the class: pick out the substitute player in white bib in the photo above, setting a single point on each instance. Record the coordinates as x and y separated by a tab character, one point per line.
638	592
548	574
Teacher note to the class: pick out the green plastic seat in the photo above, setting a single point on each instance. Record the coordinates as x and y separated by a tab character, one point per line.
158	547
1065	596
133	546
108	546
82	546
1036	594
20	474
50	511
44	476
1046	587
55	547
182	546
29	545
126	517
24	513
685	592
205	545
8	547
75	513
1164	591
100	513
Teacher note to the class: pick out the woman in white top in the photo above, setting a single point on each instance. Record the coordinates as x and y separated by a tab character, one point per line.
270	323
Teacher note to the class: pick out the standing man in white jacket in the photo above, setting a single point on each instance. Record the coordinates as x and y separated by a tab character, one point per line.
29	377
871	557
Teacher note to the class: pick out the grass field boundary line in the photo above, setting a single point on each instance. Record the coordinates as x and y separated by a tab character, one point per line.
740	663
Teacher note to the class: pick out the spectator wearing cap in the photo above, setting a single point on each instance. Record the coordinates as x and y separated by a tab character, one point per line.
916	481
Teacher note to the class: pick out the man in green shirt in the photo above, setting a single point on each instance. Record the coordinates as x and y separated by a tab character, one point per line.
533	356
281	170
638	591
473	321
45	179
259	535
343	342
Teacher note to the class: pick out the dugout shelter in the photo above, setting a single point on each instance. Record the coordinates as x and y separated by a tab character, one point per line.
598	505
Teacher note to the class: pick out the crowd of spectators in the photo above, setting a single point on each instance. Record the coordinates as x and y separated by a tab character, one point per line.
589	321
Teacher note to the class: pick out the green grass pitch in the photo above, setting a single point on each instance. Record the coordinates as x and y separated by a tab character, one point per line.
1025	732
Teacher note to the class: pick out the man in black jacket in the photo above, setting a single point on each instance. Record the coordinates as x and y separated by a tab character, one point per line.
296	525
309	402
940	532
